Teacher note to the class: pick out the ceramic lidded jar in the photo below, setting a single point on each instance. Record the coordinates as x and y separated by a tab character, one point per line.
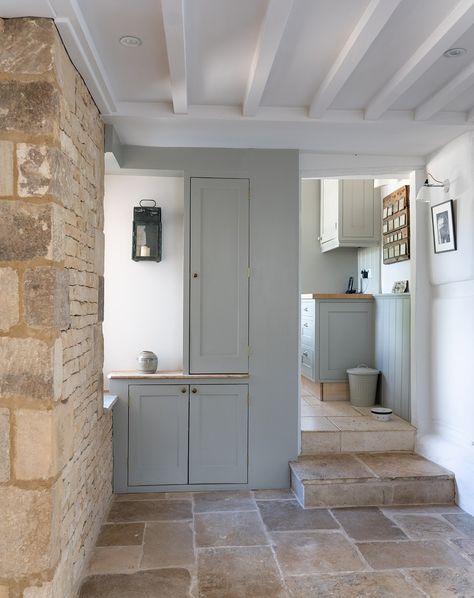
147	362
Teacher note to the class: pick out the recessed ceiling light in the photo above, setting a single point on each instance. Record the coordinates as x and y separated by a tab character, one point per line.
130	41
454	52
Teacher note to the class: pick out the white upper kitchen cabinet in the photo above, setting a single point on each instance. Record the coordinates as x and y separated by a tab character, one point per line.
219	276
350	214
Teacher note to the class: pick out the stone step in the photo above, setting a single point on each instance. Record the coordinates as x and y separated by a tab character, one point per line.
370	479
357	432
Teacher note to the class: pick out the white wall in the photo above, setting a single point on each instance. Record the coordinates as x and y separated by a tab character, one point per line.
321	272
143	300
447	420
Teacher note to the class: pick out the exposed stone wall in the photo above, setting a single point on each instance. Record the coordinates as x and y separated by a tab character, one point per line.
55	440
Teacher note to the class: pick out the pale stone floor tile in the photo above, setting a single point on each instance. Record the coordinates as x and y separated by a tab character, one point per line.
288	515
466	546
241	528
463	522
317	424
115	559
352	585
168	544
165	583
301	553
419	526
445	583
205	502
410	553
277	494
362	423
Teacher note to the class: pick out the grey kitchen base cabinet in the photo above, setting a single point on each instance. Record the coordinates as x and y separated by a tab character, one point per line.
336	334
187	434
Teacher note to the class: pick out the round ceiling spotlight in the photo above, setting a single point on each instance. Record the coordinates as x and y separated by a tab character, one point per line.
130	41
454	52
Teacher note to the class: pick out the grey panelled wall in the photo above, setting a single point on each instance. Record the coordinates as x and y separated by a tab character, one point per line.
274	299
392	351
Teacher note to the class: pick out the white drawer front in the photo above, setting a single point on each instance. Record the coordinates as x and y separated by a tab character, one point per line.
307	331
307	357
307	308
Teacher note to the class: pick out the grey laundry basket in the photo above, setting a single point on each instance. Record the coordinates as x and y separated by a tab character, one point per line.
363	385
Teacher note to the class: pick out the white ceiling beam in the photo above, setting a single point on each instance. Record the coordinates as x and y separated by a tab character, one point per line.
460	83
164	111
459	20
373	20
173	21
271	33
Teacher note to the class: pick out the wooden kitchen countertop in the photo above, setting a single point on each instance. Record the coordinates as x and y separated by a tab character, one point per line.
337	296
170	375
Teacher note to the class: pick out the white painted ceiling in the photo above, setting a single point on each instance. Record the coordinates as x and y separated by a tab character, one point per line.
334	76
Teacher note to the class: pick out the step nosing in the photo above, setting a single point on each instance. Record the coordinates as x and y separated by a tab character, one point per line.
373	480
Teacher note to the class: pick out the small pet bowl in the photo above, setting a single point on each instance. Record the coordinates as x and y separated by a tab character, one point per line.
382	414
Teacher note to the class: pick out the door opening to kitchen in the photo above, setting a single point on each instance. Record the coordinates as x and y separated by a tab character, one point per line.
355	312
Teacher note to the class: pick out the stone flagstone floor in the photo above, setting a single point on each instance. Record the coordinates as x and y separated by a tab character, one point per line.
263	544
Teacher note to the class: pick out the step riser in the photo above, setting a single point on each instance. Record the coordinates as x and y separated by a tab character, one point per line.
315	443
375	494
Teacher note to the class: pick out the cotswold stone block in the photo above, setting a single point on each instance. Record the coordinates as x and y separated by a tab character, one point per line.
30	231
30	368
25	529
25	46
43	442
46	297
29	107
9	312
4	592
6	168
43	591
43	170
4	446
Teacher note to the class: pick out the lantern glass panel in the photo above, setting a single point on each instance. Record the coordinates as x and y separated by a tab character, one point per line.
147	234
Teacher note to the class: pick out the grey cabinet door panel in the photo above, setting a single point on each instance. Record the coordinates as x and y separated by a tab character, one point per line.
358	221
219	285
218	434
345	337
158	435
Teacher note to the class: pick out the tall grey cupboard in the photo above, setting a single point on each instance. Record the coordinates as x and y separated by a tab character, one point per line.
219	276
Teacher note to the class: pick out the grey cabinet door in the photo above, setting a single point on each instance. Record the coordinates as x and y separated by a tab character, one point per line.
329	209
158	435
218	434
357	211
219	273
346	336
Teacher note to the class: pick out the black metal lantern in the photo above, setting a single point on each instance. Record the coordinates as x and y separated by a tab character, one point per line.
146	244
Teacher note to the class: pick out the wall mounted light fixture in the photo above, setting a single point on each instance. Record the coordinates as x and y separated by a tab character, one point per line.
423	194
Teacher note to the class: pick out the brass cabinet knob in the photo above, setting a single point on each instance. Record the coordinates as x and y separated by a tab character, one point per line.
183	390
195	275
305	324
305	353
194	390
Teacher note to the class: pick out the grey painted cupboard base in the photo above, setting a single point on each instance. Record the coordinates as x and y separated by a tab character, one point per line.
171	436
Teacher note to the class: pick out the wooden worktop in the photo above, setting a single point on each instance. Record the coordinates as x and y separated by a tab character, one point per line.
337	296
170	375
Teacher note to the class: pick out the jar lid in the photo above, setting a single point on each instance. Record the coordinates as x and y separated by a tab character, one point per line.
362	370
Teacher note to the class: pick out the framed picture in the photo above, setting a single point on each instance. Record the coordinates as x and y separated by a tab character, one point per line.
444	232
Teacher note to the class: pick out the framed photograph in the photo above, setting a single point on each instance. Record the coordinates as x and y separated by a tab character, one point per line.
444	232
401	286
